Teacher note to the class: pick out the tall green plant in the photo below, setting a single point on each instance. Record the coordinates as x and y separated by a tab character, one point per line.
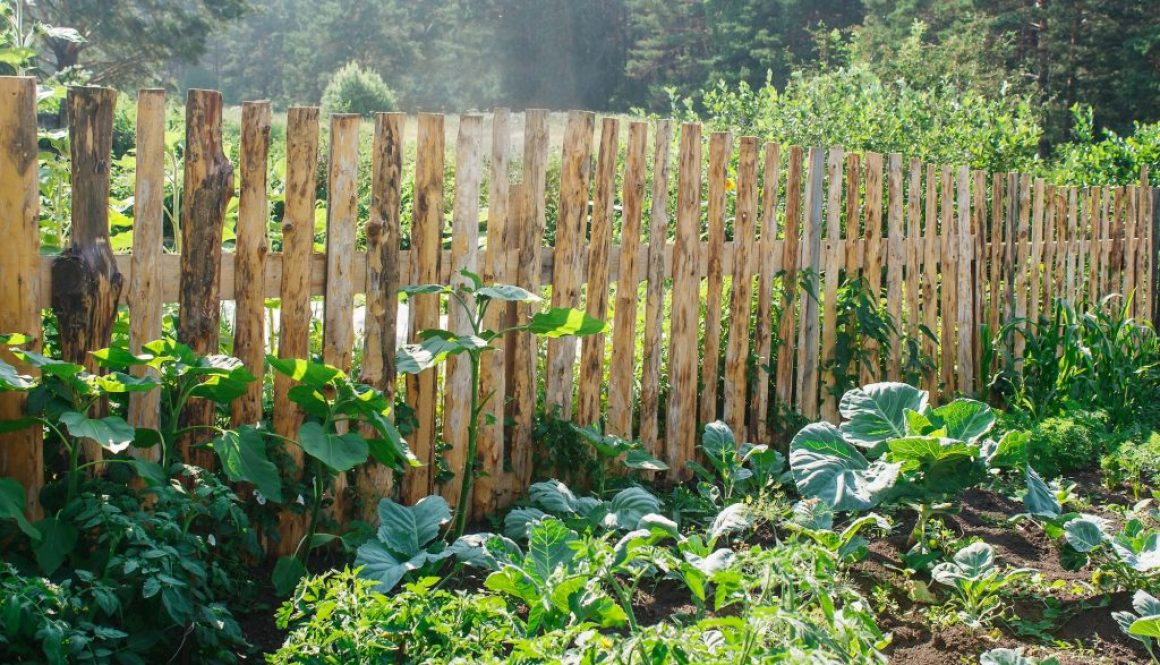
436	345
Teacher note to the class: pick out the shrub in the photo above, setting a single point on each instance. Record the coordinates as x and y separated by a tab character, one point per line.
353	89
1135	463
1065	444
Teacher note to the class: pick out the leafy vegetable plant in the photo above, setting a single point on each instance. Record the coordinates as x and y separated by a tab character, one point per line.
977	582
436	345
738	469
1144	625
407	540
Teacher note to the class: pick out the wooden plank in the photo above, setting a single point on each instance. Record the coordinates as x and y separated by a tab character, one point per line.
948	292
872	261
21	452
834	261
1145	253
1130	243
930	281
1085	259
382	303
964	275
1116	233
493	375
86	283
995	279
208	185
720	150
979	283
913	250
1038	235
457	393
680	424
294	318
145	277
341	230
658	230
622	365
571	221
895	258
599	255
1095	245
1019	267
790	262
1072	246
250	258
526	232
769	260
741	297
853	213
808	335
1052	263
426	239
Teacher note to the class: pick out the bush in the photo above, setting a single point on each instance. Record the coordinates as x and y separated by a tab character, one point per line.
1066	444
1135	463
353	89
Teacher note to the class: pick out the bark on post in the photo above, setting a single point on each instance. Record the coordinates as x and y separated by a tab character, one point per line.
209	183
21	452
86	284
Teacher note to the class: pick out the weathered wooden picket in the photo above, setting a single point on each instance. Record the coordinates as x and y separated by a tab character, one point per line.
945	248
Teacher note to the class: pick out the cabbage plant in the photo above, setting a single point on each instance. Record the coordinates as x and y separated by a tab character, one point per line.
1144	625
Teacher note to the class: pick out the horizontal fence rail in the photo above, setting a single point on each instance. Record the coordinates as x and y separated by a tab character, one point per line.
717	260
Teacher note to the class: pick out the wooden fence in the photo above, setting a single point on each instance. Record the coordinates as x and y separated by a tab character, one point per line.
943	247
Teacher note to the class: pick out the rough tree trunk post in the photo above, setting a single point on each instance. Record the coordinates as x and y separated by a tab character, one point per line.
209	183
86	285
21	452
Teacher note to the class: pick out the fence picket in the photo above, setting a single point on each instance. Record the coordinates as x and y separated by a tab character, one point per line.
963	260
948	290
895	260
623	361
913	250
790	258
720	150
250	258
770	263
872	258
423	310
834	260
599	257
811	258
741	297
658	230
144	276
681	421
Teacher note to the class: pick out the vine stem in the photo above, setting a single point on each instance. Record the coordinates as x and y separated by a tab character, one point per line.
472	443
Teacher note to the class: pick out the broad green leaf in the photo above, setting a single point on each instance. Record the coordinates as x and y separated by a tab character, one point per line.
1010	452
116	357
718	439
517	522
1145	603
1146	627
917	424
639	459
717	561
407	530
243	457
288	571
486	550
1085	533
877	412
119	382
315	375
414	358
10	379
630	505
12	506
150	472
562	322
111	432
376	563
340	452
1040	500
555	497
923	452
732	519
964	419
813	514
825	466
420	289
507	292
57	540
549	547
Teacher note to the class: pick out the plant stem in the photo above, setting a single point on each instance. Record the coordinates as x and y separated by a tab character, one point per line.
472	443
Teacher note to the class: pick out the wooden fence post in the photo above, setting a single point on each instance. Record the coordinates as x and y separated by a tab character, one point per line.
681	421
86	284
250	259
741	301
209	183
145	275
658	231
720	149
21	452
770	263
809	332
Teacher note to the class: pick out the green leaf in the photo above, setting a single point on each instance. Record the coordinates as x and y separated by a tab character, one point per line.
376	563
555	497
1145	603
964	419
825	466
288	571
562	322
316	375
57	540
150	472
116	357
508	293
340	452
877	412
111	432
243	456
1146	627
734	518
630	505
923	452
1010	452
12	506
641	460
1040	500
1085	533
414	358
549	547
419	289
718	440
407	530
10	379
917	424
